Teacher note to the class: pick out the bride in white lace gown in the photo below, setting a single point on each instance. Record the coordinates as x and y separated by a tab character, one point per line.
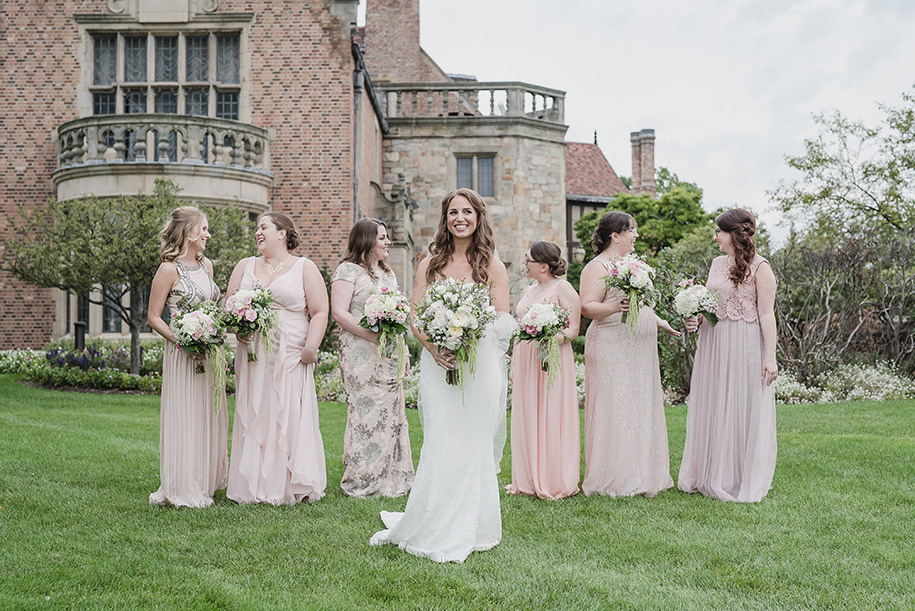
453	507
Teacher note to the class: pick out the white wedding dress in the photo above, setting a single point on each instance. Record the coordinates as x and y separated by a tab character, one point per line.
453	508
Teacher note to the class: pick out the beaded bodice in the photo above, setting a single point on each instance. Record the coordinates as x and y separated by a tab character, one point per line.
194	285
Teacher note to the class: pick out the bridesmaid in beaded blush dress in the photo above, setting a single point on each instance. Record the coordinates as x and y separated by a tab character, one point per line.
730	423
625	429
545	433
377	460
192	438
277	451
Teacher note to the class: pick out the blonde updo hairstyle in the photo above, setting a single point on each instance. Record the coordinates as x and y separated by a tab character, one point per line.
177	232
283	222
549	254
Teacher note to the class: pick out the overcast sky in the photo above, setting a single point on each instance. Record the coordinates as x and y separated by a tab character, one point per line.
729	86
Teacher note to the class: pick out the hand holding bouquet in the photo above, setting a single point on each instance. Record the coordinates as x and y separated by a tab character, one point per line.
199	331
454	316
541	323
694	299
387	312
635	278
247	312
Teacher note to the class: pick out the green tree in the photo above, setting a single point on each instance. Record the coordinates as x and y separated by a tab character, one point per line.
856	174
109	248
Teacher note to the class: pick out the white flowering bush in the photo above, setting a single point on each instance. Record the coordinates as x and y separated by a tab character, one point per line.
19	361
789	390
846	383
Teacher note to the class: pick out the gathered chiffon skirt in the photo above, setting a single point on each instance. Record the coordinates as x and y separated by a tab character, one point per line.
731	445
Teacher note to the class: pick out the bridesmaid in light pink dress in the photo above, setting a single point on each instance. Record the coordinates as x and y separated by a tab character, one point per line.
626	449
277	451
730	424
546	439
192	439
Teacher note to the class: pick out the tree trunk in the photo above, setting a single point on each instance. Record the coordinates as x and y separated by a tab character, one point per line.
136	321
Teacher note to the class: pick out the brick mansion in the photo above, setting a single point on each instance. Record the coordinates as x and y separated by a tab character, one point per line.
283	106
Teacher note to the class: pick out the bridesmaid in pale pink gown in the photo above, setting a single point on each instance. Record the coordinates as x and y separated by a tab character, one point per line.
730	424
277	451
192	439
546	439
626	449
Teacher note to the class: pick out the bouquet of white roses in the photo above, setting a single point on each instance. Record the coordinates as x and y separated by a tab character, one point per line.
248	311
387	312
541	323
454	316
696	299
199	331
635	278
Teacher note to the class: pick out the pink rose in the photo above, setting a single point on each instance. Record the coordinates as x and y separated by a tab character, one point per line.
250	315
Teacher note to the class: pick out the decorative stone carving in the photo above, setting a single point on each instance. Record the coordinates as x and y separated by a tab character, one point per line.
209	6
117	6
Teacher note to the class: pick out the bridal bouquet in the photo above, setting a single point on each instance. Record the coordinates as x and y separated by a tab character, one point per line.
387	312
454	316
247	312
199	331
694	299
635	278
541	323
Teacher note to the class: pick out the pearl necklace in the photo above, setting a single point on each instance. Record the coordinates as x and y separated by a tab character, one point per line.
272	269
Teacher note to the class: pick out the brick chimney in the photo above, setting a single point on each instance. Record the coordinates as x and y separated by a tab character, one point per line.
643	180
392	50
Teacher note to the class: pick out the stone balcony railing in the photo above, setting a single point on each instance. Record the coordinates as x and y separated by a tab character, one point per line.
212	160
471	99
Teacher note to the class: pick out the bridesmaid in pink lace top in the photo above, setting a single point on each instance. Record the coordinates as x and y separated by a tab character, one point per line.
730	424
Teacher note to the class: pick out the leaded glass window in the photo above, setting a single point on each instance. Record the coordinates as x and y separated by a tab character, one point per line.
465	173
130	145
135	59
196	102
134	102
104	60
197	58
227	105
172	151
166	59
166	101
104	104
484	176
227	59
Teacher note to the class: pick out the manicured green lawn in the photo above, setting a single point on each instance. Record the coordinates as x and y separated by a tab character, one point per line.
76	530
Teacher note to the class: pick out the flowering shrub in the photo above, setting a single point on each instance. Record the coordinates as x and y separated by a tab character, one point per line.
19	361
846	383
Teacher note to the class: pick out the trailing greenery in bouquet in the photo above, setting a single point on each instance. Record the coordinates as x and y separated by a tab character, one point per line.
387	312
632	275
248	312
200	331
694	299
454	316
542	323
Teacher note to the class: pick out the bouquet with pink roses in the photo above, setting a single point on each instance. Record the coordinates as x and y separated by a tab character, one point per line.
248	311
387	312
541	323
632	275
199	331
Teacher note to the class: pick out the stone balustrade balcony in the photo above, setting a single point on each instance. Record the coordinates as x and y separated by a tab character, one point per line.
471	100
213	160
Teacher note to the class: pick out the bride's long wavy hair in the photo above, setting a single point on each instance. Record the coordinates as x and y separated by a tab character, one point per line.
482	245
742	227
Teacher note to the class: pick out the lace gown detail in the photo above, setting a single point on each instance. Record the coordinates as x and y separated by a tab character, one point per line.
731	446
626	450
377	460
453	508
545	433
193	458
277	451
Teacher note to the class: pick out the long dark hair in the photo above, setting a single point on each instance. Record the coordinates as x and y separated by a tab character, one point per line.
612	222
362	239
482	245
742	227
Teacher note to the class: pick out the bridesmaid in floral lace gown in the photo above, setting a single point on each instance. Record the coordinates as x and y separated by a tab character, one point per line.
377	460
546	439
730	424
277	451
192	439
626	449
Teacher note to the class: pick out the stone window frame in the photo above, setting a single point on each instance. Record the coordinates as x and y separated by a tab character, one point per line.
91	26
475	155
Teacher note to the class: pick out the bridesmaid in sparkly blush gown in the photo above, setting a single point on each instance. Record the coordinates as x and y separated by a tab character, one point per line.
730	423
192	438
625	429
277	451
377	460
545	434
